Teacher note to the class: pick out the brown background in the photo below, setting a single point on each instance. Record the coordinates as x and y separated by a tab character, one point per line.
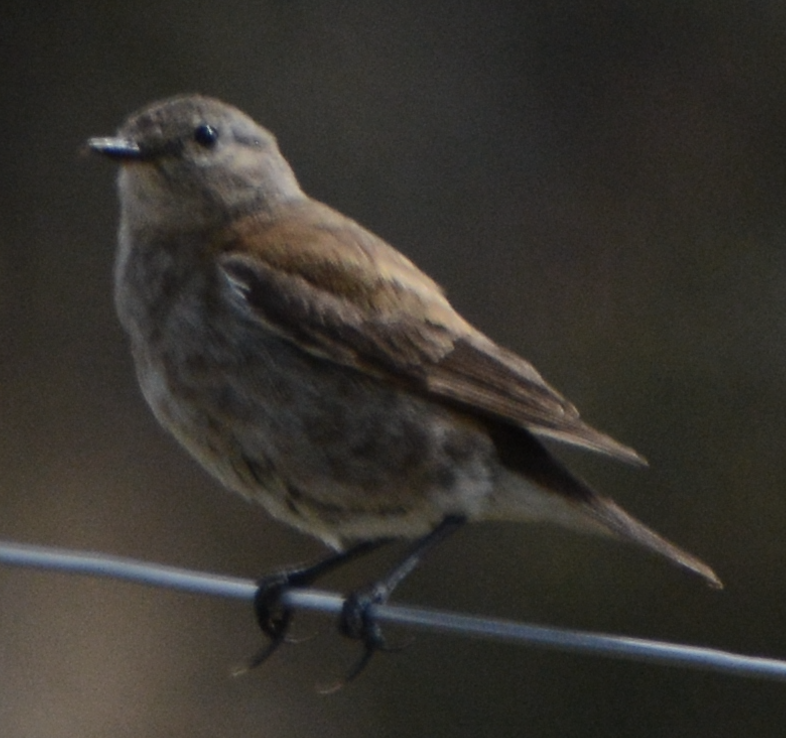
598	185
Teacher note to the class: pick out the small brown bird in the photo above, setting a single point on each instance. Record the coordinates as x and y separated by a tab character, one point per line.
312	368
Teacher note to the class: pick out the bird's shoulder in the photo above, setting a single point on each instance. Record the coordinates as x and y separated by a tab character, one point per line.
334	255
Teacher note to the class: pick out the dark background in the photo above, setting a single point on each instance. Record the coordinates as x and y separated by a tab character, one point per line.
598	185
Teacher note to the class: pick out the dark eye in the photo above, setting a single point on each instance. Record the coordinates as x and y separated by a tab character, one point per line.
205	135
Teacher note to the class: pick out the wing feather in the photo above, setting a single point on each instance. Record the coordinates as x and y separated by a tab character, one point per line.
336	290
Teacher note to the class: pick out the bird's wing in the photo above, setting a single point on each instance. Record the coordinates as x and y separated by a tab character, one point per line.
323	282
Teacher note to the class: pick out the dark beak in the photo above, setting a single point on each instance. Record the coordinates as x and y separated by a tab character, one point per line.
119	149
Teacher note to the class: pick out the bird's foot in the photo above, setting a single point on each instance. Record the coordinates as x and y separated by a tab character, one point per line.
272	616
357	622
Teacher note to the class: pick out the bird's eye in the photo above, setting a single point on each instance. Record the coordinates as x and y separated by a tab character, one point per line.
205	135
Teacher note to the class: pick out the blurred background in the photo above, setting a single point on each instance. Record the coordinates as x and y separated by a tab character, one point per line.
598	185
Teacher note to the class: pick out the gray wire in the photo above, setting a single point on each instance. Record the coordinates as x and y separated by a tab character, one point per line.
563	639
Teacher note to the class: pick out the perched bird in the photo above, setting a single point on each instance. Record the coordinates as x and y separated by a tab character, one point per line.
312	368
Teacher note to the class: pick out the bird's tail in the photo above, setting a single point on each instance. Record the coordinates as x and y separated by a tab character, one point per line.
534	486
625	526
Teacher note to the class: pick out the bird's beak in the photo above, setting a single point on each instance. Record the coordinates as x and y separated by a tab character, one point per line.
119	149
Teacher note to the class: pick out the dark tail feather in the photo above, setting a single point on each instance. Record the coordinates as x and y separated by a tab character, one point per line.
565	499
625	526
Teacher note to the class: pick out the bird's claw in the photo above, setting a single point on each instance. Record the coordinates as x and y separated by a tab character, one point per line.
357	621
258	658
273	618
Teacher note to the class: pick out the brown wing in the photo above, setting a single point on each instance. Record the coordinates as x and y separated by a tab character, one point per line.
317	278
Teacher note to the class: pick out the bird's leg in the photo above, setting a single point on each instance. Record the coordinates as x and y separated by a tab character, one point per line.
357	620
273	618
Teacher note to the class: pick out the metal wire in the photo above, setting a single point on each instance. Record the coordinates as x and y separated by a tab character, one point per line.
562	639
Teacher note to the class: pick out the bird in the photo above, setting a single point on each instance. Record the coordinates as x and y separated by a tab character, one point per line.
314	369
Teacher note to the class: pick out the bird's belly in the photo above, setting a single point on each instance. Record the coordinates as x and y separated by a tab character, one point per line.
325	448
